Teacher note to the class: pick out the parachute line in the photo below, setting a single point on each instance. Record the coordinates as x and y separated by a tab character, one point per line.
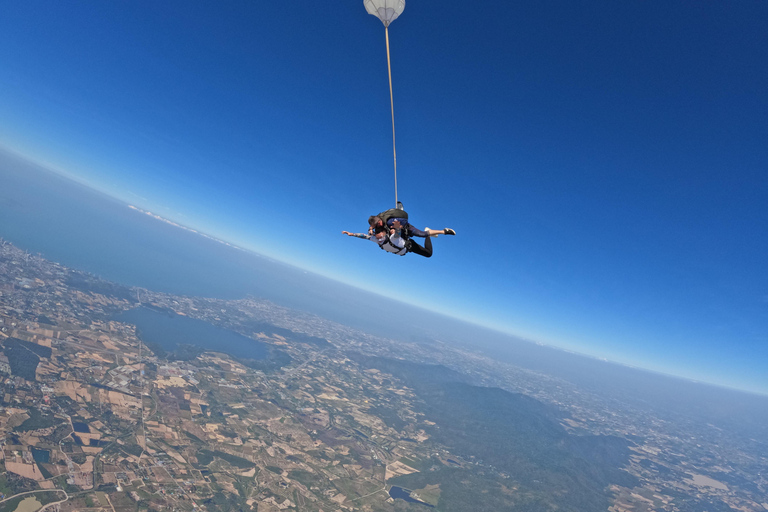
392	107
387	11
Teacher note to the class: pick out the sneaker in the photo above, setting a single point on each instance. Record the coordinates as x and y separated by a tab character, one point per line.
449	231
399	205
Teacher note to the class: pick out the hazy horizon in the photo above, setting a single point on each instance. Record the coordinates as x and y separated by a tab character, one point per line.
283	283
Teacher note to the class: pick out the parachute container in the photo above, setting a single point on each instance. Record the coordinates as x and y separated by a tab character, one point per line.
386	10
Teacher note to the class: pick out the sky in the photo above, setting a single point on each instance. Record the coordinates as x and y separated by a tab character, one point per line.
605	164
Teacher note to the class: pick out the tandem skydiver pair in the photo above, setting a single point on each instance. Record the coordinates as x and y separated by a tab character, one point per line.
392	231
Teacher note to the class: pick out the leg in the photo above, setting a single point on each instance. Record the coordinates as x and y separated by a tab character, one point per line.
435	232
412	231
425	251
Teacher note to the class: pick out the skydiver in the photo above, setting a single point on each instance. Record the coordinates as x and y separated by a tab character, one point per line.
389	240
392	240
396	218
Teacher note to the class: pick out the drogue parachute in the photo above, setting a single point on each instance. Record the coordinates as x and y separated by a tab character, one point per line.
386	10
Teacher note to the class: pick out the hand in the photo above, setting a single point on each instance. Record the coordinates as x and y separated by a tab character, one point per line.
396	224
346	233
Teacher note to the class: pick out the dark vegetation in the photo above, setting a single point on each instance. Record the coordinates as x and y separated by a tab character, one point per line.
42	319
463	490
80	458
88	283
133	449
518	442
226	432
271	330
389	416
38	350
421	465
44	471
183	352
67	405
304	477
205	457
61	431
273	362
23	356
19	484
5	487
225	502
38	420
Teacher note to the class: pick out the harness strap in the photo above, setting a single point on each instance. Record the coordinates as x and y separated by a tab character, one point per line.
399	252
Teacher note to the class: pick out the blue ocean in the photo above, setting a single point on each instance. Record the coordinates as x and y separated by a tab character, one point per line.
46	213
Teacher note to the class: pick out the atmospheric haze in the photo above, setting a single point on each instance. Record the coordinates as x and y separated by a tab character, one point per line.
64	221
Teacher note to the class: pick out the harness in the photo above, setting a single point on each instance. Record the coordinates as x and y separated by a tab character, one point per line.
396	213
398	251
393	213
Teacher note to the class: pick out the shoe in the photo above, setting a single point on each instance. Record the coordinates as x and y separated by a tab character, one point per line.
449	231
399	205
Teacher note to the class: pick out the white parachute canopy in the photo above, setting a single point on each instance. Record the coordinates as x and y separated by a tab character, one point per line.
386	10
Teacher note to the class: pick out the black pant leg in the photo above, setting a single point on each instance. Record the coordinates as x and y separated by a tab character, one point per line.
425	251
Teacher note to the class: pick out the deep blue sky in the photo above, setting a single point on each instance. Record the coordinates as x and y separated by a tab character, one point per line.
604	163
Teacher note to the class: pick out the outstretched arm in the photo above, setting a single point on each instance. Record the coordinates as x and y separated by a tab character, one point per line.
357	235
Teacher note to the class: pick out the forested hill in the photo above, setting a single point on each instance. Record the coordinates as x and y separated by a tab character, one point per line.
517	437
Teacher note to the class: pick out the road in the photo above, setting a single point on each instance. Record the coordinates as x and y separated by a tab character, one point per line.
66	497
